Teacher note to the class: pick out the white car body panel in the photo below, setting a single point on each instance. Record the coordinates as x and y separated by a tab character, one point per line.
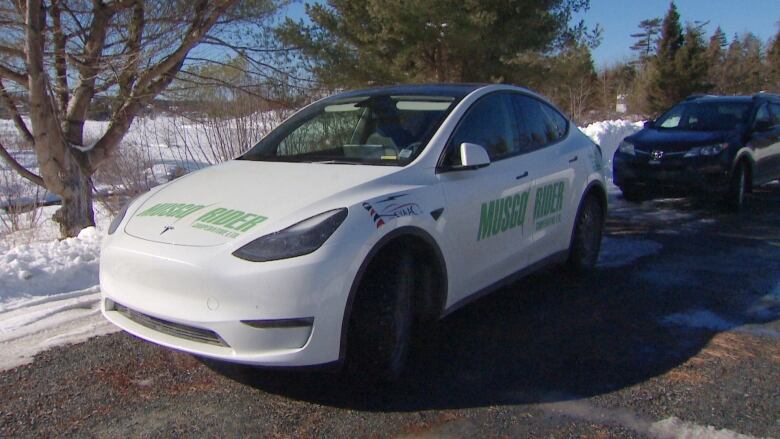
187	274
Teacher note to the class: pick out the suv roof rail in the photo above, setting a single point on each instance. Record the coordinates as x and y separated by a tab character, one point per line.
696	96
764	94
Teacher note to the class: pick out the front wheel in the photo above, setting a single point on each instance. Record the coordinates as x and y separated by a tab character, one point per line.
586	240
734	199
381	319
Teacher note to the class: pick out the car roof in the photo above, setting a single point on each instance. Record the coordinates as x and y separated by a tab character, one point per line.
742	99
457	91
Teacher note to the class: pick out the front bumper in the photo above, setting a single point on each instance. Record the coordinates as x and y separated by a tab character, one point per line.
678	175
207	302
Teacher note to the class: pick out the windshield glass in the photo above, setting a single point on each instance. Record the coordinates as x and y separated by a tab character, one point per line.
704	116
374	130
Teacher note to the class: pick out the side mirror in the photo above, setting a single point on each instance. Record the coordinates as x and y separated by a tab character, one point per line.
649	123
763	125
473	156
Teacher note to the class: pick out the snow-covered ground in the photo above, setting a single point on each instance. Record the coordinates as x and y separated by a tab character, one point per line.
49	289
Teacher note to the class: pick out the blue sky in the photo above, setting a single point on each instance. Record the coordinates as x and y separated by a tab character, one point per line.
619	19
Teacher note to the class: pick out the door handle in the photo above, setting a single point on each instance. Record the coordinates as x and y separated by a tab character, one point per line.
573	159
521	176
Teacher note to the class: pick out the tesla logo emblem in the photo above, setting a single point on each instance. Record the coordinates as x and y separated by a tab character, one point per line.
166	228
656	155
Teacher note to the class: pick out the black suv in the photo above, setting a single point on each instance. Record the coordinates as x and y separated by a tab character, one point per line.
722	145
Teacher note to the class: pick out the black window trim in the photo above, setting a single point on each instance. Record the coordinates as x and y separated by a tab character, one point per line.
442	168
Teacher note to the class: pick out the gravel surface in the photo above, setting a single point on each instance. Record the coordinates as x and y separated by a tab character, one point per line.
682	339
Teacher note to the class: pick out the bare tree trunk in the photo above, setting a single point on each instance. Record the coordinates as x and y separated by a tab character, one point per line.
76	212
87	41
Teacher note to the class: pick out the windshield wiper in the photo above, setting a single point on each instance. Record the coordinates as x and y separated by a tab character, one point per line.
335	162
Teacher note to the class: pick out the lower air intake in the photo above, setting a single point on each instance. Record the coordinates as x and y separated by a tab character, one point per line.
199	335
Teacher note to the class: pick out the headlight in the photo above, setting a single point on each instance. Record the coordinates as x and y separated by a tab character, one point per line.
709	150
626	148
297	240
119	217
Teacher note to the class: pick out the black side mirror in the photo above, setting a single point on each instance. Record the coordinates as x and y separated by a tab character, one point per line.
649	123
763	125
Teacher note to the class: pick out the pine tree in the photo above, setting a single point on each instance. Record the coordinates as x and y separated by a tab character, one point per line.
773	65
691	64
663	88
352	43
646	39
743	71
715	55
571	80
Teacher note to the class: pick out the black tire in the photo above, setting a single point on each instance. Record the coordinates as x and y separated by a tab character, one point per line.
586	237
632	195
381	320
734	199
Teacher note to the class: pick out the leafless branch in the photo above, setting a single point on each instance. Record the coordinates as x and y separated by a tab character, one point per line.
10	105
13	75
21	170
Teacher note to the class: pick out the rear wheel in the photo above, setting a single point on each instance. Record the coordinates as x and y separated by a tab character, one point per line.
586	240
735	197
381	319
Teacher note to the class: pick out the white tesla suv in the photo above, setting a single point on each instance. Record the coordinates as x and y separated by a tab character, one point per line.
361	214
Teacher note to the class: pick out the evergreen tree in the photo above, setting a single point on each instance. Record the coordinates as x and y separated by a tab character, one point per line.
715	54
571	80
357	42
691	64
662	76
742	66
647	39
773	65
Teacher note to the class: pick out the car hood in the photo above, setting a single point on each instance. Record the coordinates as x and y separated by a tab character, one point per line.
224	202
675	140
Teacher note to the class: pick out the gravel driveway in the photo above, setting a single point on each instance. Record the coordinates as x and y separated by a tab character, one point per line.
677	332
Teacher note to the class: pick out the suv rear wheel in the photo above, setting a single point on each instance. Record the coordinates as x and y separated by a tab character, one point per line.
735	197
586	240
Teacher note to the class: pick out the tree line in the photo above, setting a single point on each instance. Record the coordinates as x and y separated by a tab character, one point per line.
63	61
672	62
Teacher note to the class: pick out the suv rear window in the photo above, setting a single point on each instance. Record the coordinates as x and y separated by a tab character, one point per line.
704	116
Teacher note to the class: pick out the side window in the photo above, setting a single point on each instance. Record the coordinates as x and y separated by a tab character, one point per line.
558	121
488	123
763	113
775	109
535	129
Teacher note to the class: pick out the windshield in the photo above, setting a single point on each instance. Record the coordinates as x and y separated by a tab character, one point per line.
704	116
375	130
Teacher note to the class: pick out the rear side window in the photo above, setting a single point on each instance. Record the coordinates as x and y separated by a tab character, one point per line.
762	114
489	124
538	124
775	110
557	119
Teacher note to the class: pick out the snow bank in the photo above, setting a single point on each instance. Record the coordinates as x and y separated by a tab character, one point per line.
49	296
609	133
45	268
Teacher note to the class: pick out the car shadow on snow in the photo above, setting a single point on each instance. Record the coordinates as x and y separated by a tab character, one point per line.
550	337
